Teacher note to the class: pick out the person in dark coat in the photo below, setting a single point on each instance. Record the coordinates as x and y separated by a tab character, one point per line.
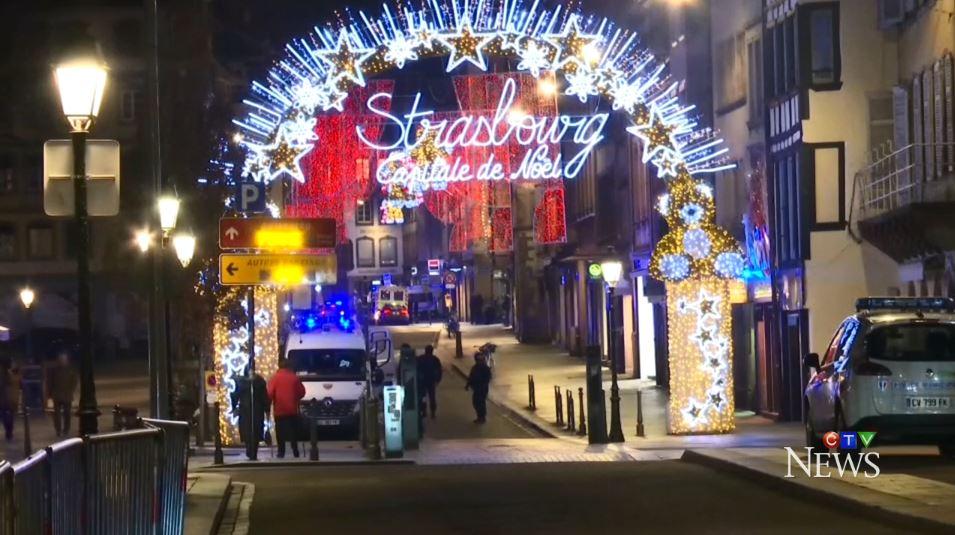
429	375
61	380
251	401
479	381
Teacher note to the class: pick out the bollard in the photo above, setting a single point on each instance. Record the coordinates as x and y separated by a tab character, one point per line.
458	348
640	432
27	443
217	457
582	428
313	439
531	395
559	405
571	417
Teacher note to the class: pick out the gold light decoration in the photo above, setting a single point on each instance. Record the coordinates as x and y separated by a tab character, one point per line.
230	344
283	156
701	356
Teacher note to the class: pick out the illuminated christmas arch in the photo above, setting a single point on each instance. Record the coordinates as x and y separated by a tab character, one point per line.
594	59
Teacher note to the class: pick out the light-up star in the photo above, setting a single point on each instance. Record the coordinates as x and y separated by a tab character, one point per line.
534	58
581	82
281	157
570	44
400	50
425	38
465	45
511	40
334	96
668	164
345	61
656	135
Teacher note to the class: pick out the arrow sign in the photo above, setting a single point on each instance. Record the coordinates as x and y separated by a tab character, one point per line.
277	269
269	234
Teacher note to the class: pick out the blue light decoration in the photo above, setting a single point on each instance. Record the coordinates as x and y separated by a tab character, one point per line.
595	57
675	267
730	265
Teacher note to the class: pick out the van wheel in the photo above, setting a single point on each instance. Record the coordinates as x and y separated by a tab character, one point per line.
812	440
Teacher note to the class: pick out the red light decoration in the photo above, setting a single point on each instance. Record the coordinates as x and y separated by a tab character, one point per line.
550	222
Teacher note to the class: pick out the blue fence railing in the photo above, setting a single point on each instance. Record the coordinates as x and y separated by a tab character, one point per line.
130	482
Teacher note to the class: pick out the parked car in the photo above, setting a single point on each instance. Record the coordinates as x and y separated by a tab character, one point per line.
889	368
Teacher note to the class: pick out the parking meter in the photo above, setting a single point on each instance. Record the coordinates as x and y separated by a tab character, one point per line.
393	399
596	408
408	369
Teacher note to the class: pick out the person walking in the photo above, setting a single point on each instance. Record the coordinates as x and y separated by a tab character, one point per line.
479	382
8	403
61	380
286	390
251	402
429	375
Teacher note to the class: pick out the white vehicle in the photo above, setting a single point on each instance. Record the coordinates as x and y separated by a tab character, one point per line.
391	305
890	368
333	366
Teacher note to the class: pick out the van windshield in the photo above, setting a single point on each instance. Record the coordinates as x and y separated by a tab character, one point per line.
328	363
912	342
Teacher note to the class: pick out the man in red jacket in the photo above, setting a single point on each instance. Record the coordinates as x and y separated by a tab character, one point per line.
286	391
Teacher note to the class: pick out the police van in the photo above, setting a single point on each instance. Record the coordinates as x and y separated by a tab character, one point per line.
889	368
337	368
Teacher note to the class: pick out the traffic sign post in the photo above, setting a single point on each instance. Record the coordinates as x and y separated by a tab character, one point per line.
276	234
277	269
250	197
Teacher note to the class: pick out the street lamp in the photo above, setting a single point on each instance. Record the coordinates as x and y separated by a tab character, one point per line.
143	239
81	84
26	297
612	270
168	213
185	246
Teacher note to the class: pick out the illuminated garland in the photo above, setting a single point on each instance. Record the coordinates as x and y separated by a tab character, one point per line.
230	342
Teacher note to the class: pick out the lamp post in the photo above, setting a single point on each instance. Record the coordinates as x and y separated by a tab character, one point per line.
26	297
612	269
81	85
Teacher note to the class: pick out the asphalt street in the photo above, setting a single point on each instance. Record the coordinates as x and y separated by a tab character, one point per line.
455	417
650	497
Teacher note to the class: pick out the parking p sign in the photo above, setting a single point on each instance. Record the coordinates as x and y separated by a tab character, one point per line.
250	197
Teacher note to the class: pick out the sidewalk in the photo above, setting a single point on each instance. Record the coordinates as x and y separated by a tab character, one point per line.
551	366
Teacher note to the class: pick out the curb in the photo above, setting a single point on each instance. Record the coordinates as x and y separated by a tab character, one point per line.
299	464
895	515
206	502
513	413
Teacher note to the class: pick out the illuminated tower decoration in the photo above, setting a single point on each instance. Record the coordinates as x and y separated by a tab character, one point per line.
230	337
585	58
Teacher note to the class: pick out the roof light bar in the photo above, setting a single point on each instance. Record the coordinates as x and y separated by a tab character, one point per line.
905	303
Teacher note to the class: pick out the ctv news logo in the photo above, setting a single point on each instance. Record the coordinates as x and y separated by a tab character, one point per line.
846	459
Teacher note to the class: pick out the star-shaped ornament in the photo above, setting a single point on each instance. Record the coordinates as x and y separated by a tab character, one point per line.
281	156
465	45
656	135
345	61
511	40
570	45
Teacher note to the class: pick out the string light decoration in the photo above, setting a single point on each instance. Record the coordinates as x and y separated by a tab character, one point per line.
595	59
230	342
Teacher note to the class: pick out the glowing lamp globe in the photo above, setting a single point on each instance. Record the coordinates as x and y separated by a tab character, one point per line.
144	239
612	270
168	212
26	297
185	246
81	85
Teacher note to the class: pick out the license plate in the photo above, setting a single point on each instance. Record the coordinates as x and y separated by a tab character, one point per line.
328	422
927	403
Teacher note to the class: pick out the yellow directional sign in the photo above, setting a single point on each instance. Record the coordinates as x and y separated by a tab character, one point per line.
277	269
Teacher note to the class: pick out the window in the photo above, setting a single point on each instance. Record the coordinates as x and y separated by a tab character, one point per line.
825	174
787	229
331	363
819	24
912	342
754	57
132	102
40	242
365	252
388	250
584	189
364	212
881	123
833	350
731	78
8	242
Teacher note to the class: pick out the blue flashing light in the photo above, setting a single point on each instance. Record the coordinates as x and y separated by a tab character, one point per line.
938	304
338	303
311	322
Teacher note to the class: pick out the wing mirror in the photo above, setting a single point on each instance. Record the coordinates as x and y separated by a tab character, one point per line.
811	361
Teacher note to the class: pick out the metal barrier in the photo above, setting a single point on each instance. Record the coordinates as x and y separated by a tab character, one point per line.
571	425
173	467
531	394
121	470
31	486
582	428
6	498
65	460
559	405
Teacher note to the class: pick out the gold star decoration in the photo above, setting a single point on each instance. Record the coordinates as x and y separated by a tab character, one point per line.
346	61
570	45
465	45
656	135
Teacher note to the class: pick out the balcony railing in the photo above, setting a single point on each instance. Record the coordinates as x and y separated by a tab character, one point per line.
920	172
